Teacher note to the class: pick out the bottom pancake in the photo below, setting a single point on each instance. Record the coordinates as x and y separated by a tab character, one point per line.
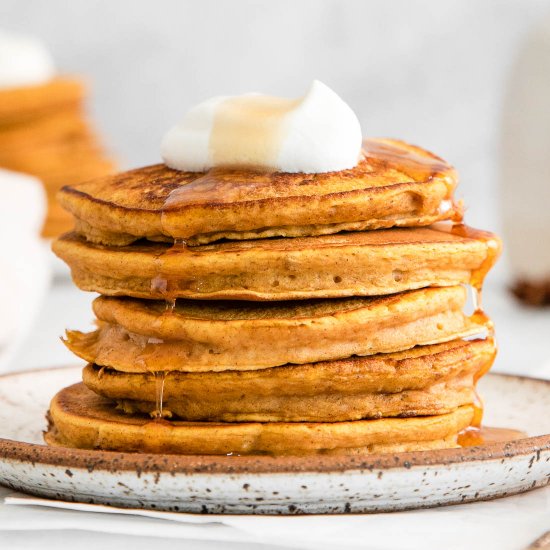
422	381
79	418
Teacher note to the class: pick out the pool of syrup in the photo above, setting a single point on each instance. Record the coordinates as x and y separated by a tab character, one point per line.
484	435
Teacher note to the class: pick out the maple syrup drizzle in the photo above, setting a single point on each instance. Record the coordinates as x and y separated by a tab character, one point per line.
451	210
148	350
160	376
419	166
472	436
160	381
476	434
233	183
162	285
477	276
250	127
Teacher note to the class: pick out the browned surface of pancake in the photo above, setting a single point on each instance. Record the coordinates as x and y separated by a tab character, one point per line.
142	335
426	380
367	263
80	418
396	184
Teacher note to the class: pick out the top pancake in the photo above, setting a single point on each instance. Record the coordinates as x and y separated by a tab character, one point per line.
395	184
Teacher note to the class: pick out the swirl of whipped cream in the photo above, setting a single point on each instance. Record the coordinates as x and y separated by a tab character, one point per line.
316	133
24	61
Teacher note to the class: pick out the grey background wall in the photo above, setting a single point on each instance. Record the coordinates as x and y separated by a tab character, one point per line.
427	71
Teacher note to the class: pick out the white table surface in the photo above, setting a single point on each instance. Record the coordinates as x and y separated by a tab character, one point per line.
524	339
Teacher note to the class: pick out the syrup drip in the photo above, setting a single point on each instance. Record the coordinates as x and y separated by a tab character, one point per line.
162	284
217	186
420	167
478	410
476	432
160	380
148	350
472	436
452	209
477	276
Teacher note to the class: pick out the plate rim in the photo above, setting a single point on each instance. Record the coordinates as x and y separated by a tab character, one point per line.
143	463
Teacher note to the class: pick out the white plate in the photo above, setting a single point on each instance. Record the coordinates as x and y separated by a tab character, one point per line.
267	485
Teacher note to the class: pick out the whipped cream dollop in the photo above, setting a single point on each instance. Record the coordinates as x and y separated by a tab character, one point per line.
24	61
316	133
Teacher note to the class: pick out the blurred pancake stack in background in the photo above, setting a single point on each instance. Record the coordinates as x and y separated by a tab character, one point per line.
44	129
247	312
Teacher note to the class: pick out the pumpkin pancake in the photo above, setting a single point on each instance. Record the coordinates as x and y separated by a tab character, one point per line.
425	380
366	263
51	159
56	127
395	184
143	335
27	102
81	419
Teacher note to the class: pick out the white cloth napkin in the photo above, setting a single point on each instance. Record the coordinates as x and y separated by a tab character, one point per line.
505	524
24	260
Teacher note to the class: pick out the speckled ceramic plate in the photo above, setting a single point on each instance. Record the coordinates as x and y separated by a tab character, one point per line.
267	485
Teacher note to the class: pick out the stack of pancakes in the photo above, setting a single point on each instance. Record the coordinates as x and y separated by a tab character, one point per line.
44	132
274	313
